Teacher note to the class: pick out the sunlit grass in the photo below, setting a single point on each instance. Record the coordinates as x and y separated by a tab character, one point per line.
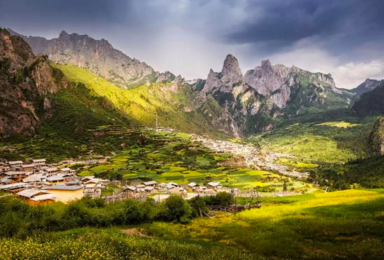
339	124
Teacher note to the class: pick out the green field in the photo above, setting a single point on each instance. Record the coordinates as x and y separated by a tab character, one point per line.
172	158
319	143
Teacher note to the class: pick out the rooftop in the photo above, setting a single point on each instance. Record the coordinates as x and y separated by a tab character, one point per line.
38	160
64	187
12	186
44	197
15	162
55	178
30	193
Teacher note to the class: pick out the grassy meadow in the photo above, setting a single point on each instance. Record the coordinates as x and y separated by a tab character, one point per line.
338	225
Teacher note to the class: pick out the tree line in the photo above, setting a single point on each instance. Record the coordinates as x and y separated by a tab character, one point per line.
19	219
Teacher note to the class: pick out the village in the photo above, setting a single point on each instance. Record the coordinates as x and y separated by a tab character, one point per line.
253	157
39	183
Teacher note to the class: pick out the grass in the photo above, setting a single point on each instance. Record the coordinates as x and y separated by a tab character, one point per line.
345	225
318	143
111	244
339	124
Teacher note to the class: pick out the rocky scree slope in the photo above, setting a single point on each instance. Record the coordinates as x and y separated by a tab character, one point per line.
97	56
25	82
271	92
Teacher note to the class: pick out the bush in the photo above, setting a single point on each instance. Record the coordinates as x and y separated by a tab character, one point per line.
221	199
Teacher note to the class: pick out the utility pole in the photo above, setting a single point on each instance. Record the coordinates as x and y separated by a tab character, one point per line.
157	122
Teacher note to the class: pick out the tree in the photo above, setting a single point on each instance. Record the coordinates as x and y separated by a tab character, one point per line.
198	206
177	209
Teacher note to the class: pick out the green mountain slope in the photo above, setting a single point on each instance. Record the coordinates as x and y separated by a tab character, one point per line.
176	105
371	103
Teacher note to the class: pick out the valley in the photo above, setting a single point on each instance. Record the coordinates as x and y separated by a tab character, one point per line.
275	163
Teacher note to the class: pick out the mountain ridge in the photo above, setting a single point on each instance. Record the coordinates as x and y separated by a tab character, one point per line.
268	92
98	56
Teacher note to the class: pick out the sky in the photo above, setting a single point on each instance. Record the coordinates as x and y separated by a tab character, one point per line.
189	37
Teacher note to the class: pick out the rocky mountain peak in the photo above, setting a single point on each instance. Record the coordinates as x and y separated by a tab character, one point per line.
63	35
266	64
97	56
231	70
366	86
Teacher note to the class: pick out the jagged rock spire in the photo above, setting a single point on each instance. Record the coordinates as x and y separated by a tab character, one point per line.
231	70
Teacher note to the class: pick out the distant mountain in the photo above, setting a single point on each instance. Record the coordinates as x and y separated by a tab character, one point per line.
25	83
366	86
97	56
269	92
371	102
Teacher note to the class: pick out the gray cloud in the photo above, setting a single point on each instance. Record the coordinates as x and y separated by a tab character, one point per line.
189	37
340	25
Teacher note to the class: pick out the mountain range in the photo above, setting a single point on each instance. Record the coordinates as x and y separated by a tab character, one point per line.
229	102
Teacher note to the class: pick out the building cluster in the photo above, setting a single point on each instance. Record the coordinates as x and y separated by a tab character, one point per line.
144	189
40	183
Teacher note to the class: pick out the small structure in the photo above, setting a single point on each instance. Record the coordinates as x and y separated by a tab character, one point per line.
36	197
66	193
42	199
214	185
14	164
193	185
87	178
34	178
39	162
54	180
72	183
51	170
68	171
150	183
209	192
28	167
15	187
17	176
149	189
172	185
129	192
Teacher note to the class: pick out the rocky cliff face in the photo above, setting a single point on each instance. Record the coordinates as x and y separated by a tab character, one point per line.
366	86
25	80
271	91
97	56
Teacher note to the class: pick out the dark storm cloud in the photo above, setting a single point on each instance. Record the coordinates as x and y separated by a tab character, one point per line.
27	14
343	23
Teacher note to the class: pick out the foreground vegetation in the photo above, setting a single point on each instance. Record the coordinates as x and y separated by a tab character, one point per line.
112	244
18	219
337	225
